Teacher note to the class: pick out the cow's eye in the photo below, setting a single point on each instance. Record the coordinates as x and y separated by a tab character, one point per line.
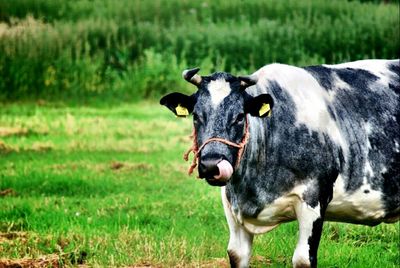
240	119
196	119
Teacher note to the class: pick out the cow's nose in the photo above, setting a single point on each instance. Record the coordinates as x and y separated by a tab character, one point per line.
208	168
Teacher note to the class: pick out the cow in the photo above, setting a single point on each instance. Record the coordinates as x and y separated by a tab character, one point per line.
312	144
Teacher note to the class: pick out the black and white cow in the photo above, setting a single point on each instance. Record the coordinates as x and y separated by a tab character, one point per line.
323	144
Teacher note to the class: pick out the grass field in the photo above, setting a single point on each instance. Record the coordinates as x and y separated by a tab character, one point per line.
107	186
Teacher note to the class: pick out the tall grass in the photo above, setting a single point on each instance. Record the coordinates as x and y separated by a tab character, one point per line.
136	49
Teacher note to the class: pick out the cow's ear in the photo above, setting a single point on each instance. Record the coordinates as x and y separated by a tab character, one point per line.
260	106
180	104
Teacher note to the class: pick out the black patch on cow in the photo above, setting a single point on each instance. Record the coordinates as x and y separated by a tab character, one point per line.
356	78
391	185
322	191
394	88
395	68
341	160
331	112
395	83
313	241
234	259
323	75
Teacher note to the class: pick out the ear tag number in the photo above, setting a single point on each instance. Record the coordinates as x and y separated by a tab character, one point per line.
181	111
265	109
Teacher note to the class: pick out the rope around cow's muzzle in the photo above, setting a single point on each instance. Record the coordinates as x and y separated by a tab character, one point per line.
196	150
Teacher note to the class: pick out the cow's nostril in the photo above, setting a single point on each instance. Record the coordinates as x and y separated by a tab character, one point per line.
208	168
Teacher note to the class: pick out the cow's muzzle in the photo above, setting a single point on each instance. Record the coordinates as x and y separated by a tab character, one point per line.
224	168
217	172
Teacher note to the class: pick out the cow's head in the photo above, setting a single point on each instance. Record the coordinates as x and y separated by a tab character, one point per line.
219	109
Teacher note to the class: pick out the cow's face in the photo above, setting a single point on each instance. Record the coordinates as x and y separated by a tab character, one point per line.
219	109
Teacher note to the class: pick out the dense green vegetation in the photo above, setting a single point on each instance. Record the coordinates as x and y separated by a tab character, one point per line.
108	187
129	50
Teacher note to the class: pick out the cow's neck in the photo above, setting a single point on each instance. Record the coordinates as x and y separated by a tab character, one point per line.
242	189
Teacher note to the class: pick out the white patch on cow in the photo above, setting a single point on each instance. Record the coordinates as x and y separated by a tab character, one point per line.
368	169
218	89
368	128
369	147
383	170
309	97
281	210
306	216
364	64
396	147
364	204
339	83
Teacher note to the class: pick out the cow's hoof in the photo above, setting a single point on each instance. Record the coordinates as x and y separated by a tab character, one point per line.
234	259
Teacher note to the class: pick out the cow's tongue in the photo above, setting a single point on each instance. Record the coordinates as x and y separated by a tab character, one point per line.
225	170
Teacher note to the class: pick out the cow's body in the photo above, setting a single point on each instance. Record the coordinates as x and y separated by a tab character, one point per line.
330	151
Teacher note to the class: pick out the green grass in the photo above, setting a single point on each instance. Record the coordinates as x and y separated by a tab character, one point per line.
109	185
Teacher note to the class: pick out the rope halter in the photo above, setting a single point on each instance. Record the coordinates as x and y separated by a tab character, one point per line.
196	150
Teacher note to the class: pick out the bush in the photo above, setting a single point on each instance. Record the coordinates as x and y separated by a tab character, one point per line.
137	49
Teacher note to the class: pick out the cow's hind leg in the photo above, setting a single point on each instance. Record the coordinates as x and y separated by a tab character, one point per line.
310	229
240	241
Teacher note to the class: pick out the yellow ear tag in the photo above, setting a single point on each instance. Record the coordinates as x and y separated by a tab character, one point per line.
181	111
265	109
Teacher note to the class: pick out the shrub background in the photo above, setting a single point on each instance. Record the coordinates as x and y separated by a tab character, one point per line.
79	50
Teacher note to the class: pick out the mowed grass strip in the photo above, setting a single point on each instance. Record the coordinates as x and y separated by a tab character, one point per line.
107	186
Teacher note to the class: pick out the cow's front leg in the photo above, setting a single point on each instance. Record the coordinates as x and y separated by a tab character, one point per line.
310	229
240	241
